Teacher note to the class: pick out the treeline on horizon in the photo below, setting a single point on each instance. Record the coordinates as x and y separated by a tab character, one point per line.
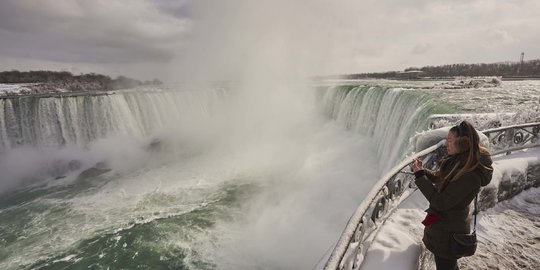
98	81
530	68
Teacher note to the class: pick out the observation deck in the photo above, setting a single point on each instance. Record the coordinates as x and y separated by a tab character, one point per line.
385	230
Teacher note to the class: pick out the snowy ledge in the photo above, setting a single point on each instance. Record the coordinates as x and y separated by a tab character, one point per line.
508	236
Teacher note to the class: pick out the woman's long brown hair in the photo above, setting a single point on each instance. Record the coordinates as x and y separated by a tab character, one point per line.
467	143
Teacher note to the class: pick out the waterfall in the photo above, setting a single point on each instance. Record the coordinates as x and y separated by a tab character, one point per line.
390	116
78	120
272	162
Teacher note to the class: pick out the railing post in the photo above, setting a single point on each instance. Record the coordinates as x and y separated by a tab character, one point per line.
509	139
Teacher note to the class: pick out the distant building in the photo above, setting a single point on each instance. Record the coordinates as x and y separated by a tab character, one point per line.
410	74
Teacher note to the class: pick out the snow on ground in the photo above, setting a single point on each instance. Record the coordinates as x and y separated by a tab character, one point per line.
16	88
398	243
509	233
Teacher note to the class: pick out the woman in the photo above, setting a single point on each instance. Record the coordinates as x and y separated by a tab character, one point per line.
451	189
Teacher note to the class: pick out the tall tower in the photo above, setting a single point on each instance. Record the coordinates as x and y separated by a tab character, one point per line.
520	63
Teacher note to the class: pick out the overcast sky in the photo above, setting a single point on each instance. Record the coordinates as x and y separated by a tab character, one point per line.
210	39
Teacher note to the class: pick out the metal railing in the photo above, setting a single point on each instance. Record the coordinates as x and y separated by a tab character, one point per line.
391	189
513	138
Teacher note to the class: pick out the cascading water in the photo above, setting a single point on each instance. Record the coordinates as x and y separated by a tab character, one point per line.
390	116
57	121
279	167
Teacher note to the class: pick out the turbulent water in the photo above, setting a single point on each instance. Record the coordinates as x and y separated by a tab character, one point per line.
226	178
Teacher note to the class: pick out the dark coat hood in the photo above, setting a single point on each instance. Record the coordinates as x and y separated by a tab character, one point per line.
485	169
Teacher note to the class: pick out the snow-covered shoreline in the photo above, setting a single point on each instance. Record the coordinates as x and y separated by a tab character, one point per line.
14	90
8	91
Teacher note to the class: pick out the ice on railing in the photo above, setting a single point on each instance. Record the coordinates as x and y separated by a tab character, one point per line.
374	217
514	138
512	175
385	195
483	121
480	121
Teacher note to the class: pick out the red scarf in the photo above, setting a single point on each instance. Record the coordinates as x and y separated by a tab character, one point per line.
430	219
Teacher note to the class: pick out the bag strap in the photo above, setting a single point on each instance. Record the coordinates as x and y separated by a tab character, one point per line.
475	211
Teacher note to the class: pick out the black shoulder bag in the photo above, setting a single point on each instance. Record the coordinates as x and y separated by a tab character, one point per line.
464	245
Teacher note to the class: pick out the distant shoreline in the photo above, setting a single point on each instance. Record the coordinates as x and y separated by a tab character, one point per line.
508	71
459	77
61	94
45	83
453	78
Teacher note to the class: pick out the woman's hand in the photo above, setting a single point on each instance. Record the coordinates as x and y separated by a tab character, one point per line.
417	165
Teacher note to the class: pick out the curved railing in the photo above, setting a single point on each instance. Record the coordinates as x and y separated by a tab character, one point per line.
513	138
391	189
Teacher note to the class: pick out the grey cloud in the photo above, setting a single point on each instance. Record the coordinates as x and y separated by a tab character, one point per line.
421	48
176	8
313	35
43	46
500	36
89	31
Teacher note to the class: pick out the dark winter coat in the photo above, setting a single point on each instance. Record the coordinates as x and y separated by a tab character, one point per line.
451	205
